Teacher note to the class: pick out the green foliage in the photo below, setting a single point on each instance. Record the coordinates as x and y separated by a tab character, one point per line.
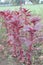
19	2
35	1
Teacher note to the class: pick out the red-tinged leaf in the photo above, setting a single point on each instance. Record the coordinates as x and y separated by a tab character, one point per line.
34	20
28	14
24	10
2	13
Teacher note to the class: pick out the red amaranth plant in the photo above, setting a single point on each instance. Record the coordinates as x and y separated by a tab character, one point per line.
21	28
